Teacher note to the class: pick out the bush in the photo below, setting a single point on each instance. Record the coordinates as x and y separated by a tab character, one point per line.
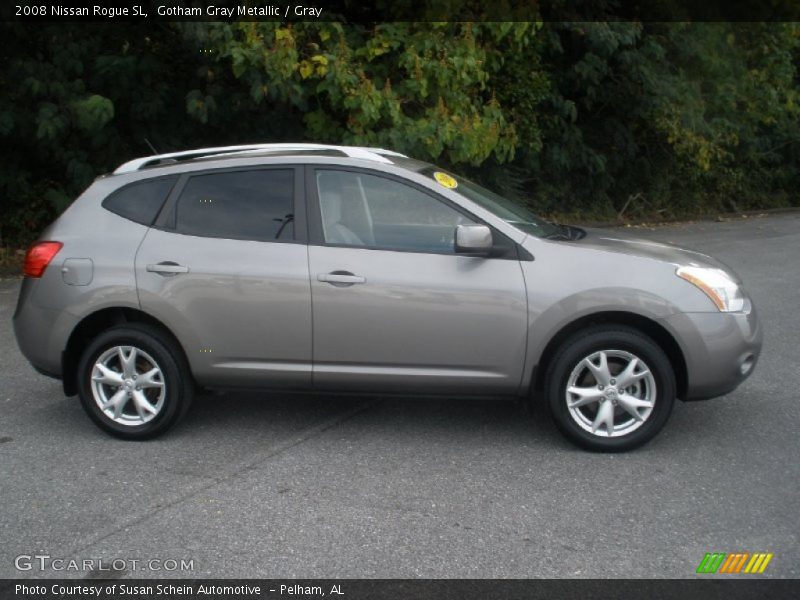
578	119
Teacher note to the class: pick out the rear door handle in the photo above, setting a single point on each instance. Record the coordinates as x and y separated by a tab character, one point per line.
341	278
167	268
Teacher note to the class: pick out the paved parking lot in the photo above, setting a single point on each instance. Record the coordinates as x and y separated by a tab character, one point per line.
292	486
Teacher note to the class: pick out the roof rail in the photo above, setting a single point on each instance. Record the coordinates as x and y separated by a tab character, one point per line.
374	154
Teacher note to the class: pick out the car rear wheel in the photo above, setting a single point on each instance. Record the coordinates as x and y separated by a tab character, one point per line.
610	388
133	381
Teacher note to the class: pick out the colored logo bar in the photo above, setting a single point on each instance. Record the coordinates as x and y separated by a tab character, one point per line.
737	562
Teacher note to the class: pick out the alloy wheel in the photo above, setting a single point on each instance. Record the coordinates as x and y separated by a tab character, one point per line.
128	385
610	393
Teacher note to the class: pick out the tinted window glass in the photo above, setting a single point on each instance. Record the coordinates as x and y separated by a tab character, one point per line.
365	210
252	205
142	200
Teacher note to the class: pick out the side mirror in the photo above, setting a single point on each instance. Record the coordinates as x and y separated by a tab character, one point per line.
474	240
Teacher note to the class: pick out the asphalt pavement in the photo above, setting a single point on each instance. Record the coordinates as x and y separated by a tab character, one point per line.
285	486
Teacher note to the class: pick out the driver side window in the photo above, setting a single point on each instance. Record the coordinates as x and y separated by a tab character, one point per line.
368	211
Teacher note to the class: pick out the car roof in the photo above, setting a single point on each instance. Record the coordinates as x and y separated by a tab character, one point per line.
377	155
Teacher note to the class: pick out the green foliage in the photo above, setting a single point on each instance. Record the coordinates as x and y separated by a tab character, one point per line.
76	102
583	119
421	88
680	119
729	111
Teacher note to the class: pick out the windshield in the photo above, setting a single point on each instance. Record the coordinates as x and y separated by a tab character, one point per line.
511	212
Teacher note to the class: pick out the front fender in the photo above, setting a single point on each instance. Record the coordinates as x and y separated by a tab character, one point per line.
546	322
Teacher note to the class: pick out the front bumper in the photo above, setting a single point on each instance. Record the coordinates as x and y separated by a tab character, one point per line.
721	350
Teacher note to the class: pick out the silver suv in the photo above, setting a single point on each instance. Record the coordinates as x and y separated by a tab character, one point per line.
334	268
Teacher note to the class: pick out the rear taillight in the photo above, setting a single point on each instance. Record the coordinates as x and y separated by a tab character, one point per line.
39	256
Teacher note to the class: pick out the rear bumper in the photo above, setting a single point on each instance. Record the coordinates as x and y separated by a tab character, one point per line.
721	350
39	332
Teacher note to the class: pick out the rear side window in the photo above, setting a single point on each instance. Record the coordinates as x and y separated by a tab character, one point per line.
141	201
244	205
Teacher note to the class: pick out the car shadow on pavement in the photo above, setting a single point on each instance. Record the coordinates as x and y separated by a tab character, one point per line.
414	418
251	417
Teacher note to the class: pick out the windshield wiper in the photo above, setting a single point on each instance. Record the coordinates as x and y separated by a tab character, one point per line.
566	233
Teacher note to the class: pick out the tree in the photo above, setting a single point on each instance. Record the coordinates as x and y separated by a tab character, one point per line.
422	88
579	119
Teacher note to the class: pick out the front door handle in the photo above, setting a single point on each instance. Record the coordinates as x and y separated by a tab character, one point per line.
341	278
167	268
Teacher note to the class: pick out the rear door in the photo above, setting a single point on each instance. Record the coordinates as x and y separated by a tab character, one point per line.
226	268
395	308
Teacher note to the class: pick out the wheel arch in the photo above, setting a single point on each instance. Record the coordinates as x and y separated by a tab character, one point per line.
657	332
92	325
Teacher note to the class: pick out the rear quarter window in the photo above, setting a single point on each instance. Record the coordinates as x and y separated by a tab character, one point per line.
240	205
141	201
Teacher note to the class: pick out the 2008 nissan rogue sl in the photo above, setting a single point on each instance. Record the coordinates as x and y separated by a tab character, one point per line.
337	268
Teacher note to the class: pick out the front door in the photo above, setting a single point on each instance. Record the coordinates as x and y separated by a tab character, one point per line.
227	270
395	309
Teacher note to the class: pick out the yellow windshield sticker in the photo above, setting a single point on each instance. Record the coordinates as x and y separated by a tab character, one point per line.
445	180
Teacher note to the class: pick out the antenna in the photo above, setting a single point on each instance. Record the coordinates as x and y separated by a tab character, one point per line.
153	148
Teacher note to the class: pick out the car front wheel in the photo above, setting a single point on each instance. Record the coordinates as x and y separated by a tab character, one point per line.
610	388
133	382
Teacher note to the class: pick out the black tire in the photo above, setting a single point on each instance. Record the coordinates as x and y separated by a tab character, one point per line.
613	338
175	375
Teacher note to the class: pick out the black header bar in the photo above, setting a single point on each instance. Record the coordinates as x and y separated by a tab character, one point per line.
398	10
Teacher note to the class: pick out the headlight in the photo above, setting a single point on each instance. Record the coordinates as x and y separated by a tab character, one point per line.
717	285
